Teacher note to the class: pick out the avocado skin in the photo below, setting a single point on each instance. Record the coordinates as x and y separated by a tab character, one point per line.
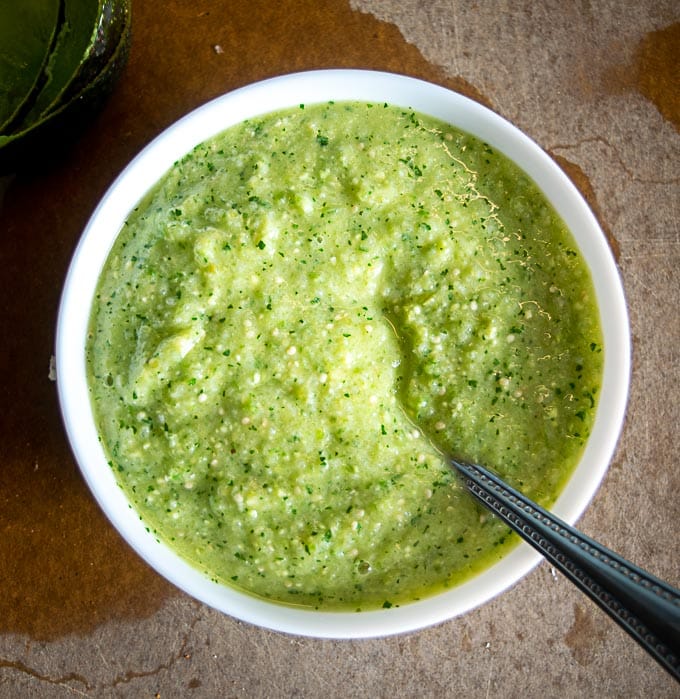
114	22
24	53
45	141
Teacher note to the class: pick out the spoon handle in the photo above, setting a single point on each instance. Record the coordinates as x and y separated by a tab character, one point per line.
644	606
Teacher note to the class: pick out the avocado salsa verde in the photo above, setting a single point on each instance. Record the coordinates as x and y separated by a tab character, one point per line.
295	320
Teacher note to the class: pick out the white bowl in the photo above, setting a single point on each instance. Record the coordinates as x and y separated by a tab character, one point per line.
212	118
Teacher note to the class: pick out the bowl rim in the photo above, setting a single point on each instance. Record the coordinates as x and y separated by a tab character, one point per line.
269	95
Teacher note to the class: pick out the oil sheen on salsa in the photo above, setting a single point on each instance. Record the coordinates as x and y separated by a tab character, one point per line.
301	314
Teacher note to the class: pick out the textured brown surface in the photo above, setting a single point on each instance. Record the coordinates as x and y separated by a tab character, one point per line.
596	84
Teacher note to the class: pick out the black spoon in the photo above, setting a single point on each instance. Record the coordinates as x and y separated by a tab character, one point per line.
644	606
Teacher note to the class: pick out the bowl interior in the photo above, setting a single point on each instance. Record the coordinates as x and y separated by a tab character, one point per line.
209	120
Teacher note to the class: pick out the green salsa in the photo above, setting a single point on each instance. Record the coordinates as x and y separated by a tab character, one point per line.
303	312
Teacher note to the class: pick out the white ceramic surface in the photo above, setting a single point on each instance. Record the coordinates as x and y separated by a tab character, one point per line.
266	96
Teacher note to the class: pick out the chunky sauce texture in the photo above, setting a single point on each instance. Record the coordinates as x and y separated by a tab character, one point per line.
301	313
